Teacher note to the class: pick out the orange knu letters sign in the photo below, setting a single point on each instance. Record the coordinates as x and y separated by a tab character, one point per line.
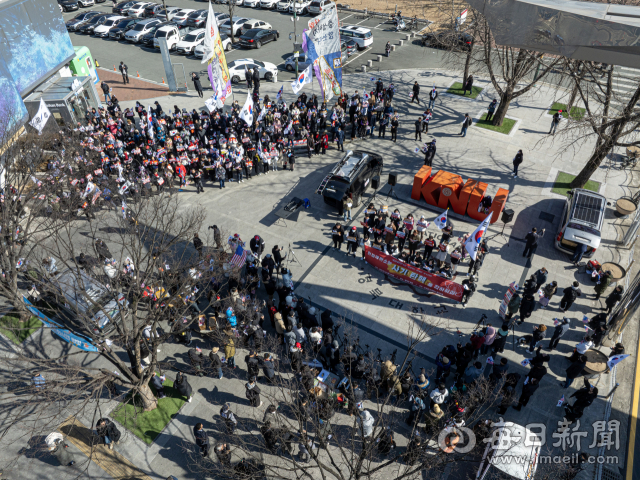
444	189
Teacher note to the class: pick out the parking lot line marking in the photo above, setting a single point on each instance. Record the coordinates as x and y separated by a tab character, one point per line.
351	60
377	26
344	18
362	21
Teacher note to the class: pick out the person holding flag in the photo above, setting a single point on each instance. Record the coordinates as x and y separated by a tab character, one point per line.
279	95
304	78
473	242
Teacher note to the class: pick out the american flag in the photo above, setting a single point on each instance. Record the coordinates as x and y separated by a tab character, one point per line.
239	257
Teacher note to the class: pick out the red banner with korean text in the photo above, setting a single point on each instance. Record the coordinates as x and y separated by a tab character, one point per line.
413	275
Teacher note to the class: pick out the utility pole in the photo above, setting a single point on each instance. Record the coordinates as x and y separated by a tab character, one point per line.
164	5
295	36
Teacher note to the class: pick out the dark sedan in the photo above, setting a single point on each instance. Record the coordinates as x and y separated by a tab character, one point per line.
350	46
88	27
147	39
122	27
256	37
69	5
122	6
76	22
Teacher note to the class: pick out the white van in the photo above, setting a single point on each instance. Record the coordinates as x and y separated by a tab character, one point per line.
362	36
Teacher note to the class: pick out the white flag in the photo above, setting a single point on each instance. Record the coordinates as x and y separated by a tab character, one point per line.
473	242
304	78
150	123
40	119
262	112
616	359
213	103
441	220
247	111
209	34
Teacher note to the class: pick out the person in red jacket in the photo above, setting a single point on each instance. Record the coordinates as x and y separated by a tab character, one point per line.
477	340
181	172
325	143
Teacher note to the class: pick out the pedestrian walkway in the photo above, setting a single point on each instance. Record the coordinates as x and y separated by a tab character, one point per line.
136	89
110	461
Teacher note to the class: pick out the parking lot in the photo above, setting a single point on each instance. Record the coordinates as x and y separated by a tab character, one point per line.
147	61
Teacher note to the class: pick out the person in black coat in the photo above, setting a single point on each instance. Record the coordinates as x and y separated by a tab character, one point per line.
527	390
532	242
216	363
248	75
526	308
253	364
613	298
257	246
156	381
183	387
108	432
196	359
202	439
196	83
416	92
584	397
327	321
256	81
569	296
268	369
575	369
253	393
278	257
430	153
562	328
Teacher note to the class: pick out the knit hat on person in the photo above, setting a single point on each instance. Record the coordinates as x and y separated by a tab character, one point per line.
422	378
435	411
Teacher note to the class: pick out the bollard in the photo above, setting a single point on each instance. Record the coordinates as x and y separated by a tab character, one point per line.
370	63
138	73
393	48
97	64
400	43
379	58
163	80
114	68
408	37
364	68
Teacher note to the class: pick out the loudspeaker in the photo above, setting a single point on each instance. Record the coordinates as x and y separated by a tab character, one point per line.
392	179
375	183
507	215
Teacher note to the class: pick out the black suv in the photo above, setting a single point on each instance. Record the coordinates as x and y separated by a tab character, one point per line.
69	5
88	27
122	27
148	38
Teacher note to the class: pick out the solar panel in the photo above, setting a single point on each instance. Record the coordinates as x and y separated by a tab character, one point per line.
587	209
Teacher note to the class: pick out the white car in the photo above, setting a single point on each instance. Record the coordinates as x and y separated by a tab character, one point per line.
181	17
171	11
226	44
284	5
268	4
221	18
318	6
103	30
253	23
235	2
252	3
267	70
188	44
137	10
300	7
86	3
238	22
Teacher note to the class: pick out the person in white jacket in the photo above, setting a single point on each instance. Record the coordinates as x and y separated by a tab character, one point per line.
439	395
366	419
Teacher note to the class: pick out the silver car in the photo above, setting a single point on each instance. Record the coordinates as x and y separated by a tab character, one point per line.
581	221
290	63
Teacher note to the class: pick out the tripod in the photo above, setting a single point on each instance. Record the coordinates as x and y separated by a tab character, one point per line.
501	234
291	255
392	193
480	322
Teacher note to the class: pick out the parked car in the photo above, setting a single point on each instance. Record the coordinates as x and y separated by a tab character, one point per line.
290	63
103	30
301	7
188	44
68	5
123	26
238	3
79	20
121	8
318	6
350	45
162	15
198	18
581	221
252	3
267	70
256	37
447	41
181	17
221	18
88	27
284	5
226	44
253	23
147	38
86	3
362	36
268	4
151	9
141	29
238	22
172	33
137	10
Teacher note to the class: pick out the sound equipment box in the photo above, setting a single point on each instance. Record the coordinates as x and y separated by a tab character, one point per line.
507	215
392	179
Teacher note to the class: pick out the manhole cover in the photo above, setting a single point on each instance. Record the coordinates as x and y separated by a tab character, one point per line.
610	475
547	217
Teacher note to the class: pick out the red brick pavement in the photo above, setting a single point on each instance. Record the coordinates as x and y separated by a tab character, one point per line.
136	89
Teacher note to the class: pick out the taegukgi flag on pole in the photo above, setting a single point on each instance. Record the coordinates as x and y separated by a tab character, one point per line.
280	92
304	78
441	220
150	122
473	242
124	209
247	111
616	359
40	119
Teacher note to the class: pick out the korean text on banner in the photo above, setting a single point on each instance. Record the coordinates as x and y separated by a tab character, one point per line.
40	119
217	68
412	275
323	49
